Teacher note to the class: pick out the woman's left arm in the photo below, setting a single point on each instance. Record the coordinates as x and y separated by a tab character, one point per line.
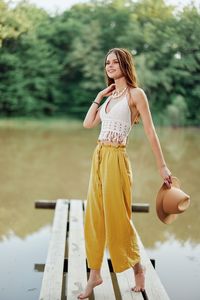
142	105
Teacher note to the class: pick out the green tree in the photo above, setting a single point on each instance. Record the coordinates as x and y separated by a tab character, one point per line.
55	65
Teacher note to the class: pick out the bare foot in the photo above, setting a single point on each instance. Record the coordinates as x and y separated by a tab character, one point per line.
139	272
89	288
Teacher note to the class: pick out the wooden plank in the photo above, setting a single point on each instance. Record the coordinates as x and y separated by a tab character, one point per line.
105	291
77	272
140	207
77	276
50	204
153	286
53	272
126	281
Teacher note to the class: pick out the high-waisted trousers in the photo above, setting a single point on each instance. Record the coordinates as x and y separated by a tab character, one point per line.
108	211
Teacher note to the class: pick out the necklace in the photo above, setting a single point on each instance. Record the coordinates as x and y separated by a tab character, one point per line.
117	94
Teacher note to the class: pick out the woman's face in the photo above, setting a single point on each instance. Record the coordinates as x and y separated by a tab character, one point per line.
112	67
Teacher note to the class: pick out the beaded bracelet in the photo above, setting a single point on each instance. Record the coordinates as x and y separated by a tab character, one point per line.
96	103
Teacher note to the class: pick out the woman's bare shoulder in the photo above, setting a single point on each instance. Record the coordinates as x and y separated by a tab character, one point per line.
138	94
137	91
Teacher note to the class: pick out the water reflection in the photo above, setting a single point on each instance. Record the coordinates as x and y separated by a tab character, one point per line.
52	160
16	257
178	265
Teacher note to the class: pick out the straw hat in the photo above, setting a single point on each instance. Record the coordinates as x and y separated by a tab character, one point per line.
171	201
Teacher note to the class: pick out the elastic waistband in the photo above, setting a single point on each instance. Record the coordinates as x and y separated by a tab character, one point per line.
103	144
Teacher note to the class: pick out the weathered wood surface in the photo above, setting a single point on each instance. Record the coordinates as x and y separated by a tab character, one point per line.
53	273
104	291
76	277
50	204
126	281
77	272
153	287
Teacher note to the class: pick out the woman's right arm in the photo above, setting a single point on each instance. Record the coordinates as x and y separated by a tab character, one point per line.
92	117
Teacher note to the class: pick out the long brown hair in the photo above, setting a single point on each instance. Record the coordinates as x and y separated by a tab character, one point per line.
128	69
126	65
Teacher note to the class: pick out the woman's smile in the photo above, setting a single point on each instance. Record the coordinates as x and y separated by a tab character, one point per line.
111	71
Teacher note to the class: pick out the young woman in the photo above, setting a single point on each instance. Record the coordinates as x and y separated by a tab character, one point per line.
108	213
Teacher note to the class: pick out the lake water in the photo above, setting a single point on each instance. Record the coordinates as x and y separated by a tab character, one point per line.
51	160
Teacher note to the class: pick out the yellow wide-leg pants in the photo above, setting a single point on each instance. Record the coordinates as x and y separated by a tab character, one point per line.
108	212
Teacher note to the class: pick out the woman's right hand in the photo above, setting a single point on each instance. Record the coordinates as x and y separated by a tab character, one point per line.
107	91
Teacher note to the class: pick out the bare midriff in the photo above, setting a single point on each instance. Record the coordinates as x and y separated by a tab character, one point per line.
110	143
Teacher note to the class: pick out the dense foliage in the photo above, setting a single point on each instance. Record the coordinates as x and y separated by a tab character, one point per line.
53	65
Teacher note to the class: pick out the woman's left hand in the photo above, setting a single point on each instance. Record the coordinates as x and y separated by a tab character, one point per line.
166	175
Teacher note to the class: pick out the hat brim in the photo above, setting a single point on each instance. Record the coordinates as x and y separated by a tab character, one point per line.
163	216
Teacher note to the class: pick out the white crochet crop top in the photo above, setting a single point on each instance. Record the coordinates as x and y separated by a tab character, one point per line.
116	124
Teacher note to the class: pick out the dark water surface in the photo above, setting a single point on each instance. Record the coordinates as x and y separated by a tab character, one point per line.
51	160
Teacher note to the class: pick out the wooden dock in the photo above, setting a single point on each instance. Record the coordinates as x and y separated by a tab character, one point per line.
65	271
